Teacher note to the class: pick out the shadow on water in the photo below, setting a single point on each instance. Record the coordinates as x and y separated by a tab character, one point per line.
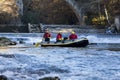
105	46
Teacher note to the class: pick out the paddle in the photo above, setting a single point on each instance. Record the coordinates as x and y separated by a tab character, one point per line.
37	44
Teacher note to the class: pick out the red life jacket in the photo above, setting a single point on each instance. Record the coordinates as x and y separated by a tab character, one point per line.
59	36
73	36
47	35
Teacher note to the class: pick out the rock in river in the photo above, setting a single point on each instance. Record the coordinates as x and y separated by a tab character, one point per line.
5	41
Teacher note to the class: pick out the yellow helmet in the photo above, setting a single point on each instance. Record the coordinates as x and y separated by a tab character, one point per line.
60	32
73	32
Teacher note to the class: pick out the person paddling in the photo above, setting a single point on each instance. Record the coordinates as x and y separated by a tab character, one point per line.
59	37
47	36
73	36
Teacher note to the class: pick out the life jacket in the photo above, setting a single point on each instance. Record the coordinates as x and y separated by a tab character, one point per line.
73	36
47	35
59	36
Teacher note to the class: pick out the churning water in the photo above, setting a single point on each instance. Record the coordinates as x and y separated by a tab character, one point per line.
98	61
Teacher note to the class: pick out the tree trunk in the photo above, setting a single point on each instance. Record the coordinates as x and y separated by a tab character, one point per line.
106	13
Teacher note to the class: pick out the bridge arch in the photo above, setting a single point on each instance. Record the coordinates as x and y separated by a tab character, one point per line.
49	12
76	9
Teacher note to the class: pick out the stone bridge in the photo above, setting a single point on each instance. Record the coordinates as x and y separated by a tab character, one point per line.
79	6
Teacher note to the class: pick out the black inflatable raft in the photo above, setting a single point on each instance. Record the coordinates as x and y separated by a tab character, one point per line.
83	42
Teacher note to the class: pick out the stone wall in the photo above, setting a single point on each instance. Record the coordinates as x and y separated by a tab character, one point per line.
14	28
76	28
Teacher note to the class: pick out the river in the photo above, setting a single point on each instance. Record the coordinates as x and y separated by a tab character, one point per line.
100	60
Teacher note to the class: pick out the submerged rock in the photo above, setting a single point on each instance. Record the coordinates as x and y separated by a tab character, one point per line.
5	41
2	77
7	55
50	78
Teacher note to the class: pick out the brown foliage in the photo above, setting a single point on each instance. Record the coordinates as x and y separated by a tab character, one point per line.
113	6
8	11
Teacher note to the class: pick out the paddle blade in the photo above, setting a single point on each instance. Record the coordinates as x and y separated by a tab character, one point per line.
37	44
